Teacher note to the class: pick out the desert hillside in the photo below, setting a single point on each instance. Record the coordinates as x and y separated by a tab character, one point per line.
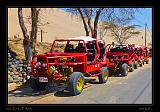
59	24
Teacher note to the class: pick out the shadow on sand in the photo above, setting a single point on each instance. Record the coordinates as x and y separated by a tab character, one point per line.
58	91
28	91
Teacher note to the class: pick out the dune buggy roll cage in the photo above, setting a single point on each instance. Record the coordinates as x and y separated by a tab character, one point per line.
86	48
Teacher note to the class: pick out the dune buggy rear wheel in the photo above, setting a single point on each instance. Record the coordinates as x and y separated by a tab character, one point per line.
76	83
132	67
141	63
36	85
147	62
104	76
124	70
135	64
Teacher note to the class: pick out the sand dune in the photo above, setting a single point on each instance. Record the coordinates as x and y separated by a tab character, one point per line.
61	25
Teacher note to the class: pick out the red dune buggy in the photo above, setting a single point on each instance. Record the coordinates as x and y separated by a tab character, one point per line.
140	56
121	59
69	62
150	52
147	54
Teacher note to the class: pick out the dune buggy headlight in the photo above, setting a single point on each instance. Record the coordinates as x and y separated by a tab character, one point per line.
44	65
35	66
38	64
73	59
111	59
122	57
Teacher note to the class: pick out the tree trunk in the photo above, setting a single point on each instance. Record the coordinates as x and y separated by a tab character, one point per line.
95	29
90	26
84	22
27	50
26	40
95	26
34	17
96	22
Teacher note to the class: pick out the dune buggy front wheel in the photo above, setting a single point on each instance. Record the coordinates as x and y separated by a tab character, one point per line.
125	69
132	67
141	63
135	64
76	83
36	85
104	76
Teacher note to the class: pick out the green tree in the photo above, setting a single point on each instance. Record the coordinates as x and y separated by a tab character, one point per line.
121	33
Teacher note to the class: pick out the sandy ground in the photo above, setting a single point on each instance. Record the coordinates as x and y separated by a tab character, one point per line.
14	86
16	45
60	25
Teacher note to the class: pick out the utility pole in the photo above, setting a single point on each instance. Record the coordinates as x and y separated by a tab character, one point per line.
145	34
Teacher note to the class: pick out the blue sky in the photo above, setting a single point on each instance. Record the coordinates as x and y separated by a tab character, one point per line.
142	17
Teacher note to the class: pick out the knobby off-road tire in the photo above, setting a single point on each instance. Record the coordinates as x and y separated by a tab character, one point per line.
132	67
135	65
141	63
104	76
147	62
124	70
36	85
76	83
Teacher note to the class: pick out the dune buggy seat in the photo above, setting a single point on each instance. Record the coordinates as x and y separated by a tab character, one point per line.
92	50
80	48
69	48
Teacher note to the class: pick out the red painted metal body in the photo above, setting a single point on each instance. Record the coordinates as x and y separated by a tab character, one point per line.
139	53
150	52
73	61
147	54
121	56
